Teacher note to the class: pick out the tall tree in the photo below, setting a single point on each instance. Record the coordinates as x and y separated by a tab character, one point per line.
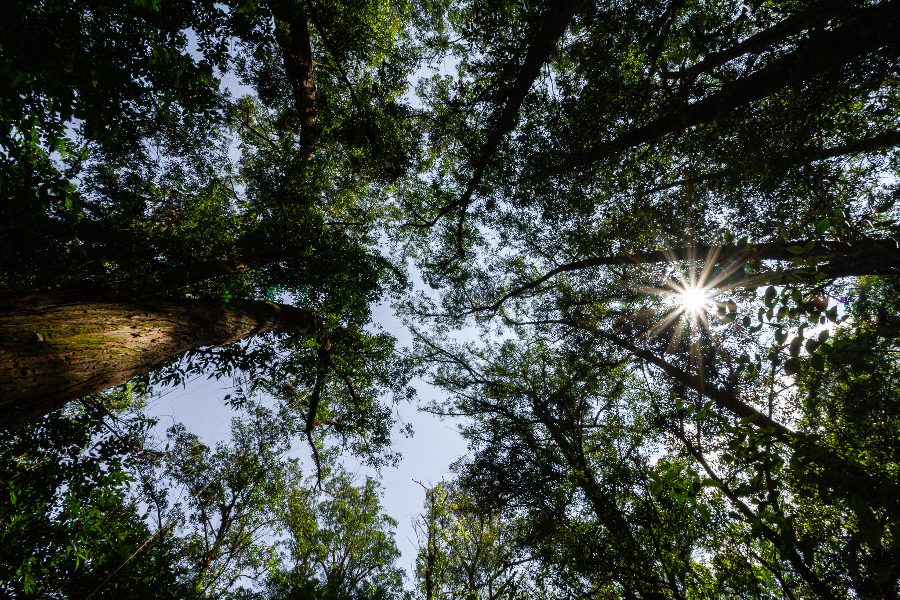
131	174
673	238
339	546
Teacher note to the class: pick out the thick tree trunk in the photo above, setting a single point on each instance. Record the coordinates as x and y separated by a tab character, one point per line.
60	345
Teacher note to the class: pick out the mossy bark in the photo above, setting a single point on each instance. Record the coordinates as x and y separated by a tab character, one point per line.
56	346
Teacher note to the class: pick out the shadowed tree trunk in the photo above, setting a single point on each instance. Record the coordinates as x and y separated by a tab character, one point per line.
292	35
56	346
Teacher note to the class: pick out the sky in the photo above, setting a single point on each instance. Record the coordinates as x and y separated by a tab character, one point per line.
426	456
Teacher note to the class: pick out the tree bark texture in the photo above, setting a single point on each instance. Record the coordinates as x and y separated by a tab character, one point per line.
56	346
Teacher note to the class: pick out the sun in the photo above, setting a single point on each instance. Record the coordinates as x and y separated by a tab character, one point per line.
689	302
693	300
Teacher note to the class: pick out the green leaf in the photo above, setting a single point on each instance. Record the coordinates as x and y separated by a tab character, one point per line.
792	366
817	362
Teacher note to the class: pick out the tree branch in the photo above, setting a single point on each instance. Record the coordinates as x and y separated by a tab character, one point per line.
322	369
868	32
783	543
724	399
876	143
757	42
844	259
292	35
553	25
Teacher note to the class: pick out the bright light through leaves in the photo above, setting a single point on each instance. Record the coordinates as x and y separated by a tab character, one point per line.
690	298
694	300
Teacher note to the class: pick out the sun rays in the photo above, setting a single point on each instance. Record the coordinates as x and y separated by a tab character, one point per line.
688	302
690	295
694	300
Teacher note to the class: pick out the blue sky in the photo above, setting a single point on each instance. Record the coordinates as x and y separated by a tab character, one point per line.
426	457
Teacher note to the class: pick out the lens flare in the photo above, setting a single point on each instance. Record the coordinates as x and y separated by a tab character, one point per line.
693	300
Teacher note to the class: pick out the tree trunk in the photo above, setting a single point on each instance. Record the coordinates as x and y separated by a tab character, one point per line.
57	346
292	35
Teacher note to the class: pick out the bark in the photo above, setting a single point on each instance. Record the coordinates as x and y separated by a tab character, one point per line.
292	35
872	31
57	346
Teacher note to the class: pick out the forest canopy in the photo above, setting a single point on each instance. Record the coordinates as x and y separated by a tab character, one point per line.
648	253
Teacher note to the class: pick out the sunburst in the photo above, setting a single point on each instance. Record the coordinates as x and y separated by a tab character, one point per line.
694	300
691	295
688	301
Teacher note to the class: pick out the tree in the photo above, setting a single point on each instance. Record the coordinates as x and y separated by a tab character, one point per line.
218	504
155	227
614	68
188	193
672	223
248	513
670	238
338	547
101	509
69	520
466	549
583	449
